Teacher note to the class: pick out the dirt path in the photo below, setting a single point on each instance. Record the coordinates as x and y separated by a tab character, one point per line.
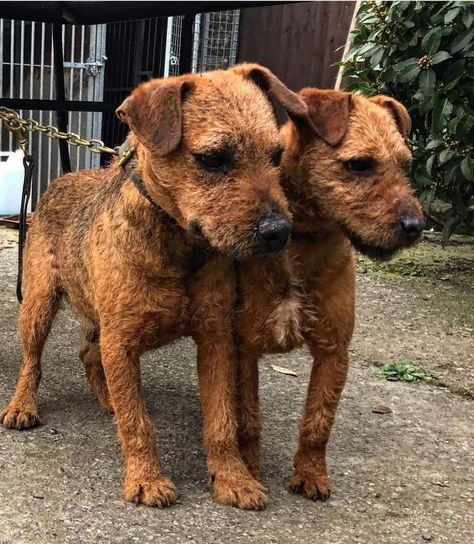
401	477
420	308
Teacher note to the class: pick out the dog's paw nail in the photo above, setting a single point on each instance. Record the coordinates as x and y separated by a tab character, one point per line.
315	487
159	493
244	492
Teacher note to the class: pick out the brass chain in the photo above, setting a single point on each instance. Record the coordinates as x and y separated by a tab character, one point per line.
19	126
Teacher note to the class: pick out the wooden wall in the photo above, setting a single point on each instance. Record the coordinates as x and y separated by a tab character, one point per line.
298	41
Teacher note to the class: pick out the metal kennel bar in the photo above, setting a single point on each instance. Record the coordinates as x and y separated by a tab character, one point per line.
28	85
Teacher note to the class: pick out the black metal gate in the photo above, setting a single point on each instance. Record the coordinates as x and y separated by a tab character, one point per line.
102	63
139	50
135	52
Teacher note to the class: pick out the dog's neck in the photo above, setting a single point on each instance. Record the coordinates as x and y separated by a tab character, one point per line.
153	231
149	216
152	181
309	219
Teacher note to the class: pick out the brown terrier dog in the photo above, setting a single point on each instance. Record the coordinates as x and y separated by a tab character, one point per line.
344	176
131	249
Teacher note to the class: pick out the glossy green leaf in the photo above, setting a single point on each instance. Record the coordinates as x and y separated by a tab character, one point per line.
432	39
427	82
464	127
441	113
430	163
377	56
409	73
421	179
429	104
445	155
462	40
451	15
467	168
365	49
440	56
388	75
404	372
468	17
404	6
452	125
454	72
446	31
405	63
434	144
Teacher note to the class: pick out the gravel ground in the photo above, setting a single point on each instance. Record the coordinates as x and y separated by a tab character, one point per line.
401	477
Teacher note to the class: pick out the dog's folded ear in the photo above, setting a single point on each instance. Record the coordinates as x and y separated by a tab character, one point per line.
154	113
398	111
269	83
328	112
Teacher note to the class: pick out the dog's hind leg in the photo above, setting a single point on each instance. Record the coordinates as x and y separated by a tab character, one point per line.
40	304
92	361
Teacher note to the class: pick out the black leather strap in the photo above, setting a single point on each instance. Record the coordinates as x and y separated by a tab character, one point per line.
138	182
28	164
127	154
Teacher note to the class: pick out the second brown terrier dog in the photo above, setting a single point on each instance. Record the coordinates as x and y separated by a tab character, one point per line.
343	172
131	249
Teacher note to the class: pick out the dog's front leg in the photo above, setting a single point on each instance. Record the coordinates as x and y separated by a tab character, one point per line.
329	327
328	376
213	299
248	410
144	482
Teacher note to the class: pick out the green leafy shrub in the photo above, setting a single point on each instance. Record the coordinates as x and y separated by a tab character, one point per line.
422	53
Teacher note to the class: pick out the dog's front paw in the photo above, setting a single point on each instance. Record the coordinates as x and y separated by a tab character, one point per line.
240	491
311	484
19	417
159	492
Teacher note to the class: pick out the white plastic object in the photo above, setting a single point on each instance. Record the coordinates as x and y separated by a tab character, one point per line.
11	182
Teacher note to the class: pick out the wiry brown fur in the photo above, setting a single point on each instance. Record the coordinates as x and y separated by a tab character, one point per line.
307	295
129	269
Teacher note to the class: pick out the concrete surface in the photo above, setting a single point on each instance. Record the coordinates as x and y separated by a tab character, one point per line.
401	477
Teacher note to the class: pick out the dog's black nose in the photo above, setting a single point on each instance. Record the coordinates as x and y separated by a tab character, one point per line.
412	226
273	231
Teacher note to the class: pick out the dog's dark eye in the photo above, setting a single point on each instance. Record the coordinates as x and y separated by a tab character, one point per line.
276	157
214	162
359	166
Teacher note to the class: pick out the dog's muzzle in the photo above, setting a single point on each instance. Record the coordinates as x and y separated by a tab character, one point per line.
272	232
406	232
411	228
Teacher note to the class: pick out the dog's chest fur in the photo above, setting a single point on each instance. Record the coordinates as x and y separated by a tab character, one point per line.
273	306
286	321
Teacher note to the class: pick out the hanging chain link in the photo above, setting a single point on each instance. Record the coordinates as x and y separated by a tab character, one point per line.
19	126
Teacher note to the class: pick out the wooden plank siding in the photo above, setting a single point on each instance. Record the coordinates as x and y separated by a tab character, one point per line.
299	42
